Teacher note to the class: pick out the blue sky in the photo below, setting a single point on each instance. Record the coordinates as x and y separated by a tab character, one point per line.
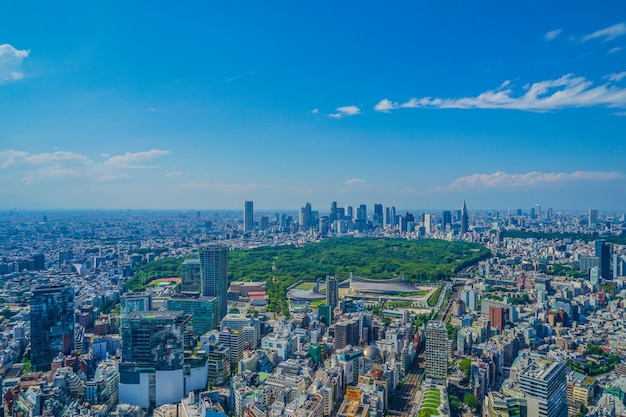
203	106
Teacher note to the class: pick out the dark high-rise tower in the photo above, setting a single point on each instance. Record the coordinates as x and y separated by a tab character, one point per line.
51	324
214	273
332	291
248	216
446	219
464	220
603	253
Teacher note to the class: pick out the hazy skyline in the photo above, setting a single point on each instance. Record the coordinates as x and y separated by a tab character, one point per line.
204	106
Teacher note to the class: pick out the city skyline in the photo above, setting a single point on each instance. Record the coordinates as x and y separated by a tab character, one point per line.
207	106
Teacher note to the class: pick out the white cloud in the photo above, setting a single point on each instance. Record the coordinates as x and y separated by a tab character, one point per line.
315	111
564	92
174	174
345	111
616	77
61	164
220	187
43	158
10	157
353	181
619	113
614	50
11	62
502	179
607	34
385	105
552	34
132	160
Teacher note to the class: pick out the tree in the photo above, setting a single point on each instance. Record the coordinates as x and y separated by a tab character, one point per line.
471	401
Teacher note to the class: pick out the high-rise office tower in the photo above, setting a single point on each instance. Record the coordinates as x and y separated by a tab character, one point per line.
214	273
538	210
306	217
361	212
248	216
446	219
151	371
544	384
603	253
593	218
191	276
349	211
436	351
428	219
378	210
51	324
332	291
387	221
464	219
333	211
201	309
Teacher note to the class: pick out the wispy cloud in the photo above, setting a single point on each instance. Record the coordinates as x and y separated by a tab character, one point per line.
220	187
61	164
345	111
614	50
616	77
552	34
10	157
353	181
502	179
315	111
11	62
133	160
565	92
607	34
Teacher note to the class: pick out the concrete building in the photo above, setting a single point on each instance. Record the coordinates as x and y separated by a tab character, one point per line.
543	382
436	351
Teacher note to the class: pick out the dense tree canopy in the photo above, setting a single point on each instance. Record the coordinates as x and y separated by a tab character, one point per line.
281	266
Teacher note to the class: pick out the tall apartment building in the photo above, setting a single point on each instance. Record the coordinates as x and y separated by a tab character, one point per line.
347	332
214	273
51	324
544	384
332	291
436	351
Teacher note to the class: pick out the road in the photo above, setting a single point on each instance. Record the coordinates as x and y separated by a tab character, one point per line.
404	401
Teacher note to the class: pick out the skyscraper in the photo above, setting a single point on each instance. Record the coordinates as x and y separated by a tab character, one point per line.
436	351
332	291
446	219
544	384
593	218
306	217
464	220
333	211
603	253
191	276
248	216
51	324
214	272
151	371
